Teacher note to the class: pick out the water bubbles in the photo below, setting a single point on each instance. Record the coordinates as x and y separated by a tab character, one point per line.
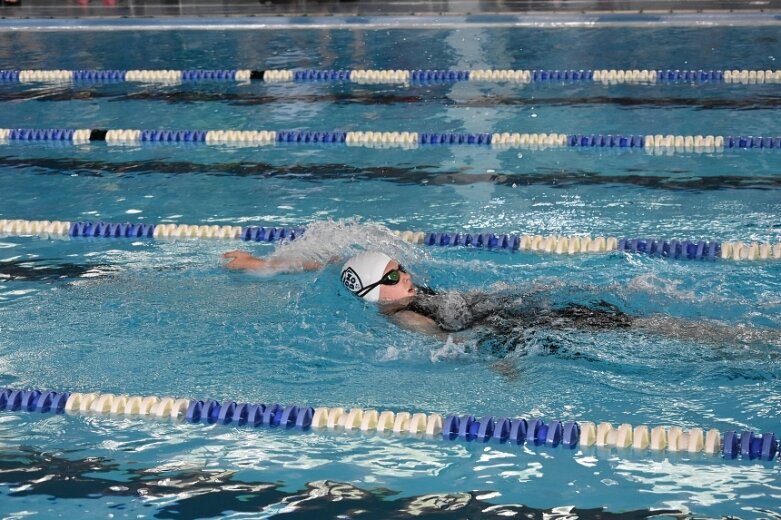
390	354
450	350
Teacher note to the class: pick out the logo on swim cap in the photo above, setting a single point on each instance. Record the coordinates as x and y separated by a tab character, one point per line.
351	280
368	266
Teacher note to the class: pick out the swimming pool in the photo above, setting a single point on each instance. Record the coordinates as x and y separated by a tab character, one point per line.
161	317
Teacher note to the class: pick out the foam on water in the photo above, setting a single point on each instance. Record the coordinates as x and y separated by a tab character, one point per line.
330	241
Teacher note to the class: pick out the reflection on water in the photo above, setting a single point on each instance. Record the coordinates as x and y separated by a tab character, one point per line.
41	270
182	493
426	174
439	94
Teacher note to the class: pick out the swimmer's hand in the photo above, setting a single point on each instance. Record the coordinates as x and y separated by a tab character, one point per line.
243	261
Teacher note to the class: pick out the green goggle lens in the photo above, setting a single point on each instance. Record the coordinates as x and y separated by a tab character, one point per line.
392	276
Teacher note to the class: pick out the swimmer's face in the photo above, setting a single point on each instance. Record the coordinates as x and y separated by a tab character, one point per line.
403	289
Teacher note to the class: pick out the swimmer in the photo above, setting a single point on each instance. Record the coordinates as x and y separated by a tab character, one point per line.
511	319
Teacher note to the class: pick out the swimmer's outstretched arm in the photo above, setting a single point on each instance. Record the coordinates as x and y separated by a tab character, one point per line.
243	261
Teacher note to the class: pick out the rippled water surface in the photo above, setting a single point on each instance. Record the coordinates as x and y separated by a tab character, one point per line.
165	318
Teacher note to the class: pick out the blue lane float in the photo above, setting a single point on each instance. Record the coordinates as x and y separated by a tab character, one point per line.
106	229
32	400
314	75
294	136
679	250
159	136
254	415
454	138
438	76
262	234
99	76
605	141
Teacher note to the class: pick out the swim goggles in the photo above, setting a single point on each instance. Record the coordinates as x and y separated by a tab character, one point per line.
392	277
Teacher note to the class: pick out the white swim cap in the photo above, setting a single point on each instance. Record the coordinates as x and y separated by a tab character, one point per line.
365	269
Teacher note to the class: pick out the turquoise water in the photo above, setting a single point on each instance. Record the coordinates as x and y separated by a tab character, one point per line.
164	318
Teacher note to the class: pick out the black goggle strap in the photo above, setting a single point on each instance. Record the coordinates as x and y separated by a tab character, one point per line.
385	278
366	290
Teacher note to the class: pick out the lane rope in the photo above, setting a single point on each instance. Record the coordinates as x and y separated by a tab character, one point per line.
747	445
505	140
572	244
396	76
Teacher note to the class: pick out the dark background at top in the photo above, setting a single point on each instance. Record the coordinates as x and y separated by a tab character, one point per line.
218	8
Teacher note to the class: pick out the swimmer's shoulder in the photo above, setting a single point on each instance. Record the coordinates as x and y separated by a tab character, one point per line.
405	315
415	321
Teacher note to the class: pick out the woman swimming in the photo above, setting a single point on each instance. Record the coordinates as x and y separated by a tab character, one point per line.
511	319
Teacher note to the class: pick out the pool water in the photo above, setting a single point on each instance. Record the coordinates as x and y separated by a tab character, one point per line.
165	318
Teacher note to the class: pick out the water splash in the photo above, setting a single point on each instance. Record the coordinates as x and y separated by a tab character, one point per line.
452	349
330	241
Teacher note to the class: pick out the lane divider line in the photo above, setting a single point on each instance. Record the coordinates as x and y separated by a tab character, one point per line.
657	143
467	428
673	249
397	76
